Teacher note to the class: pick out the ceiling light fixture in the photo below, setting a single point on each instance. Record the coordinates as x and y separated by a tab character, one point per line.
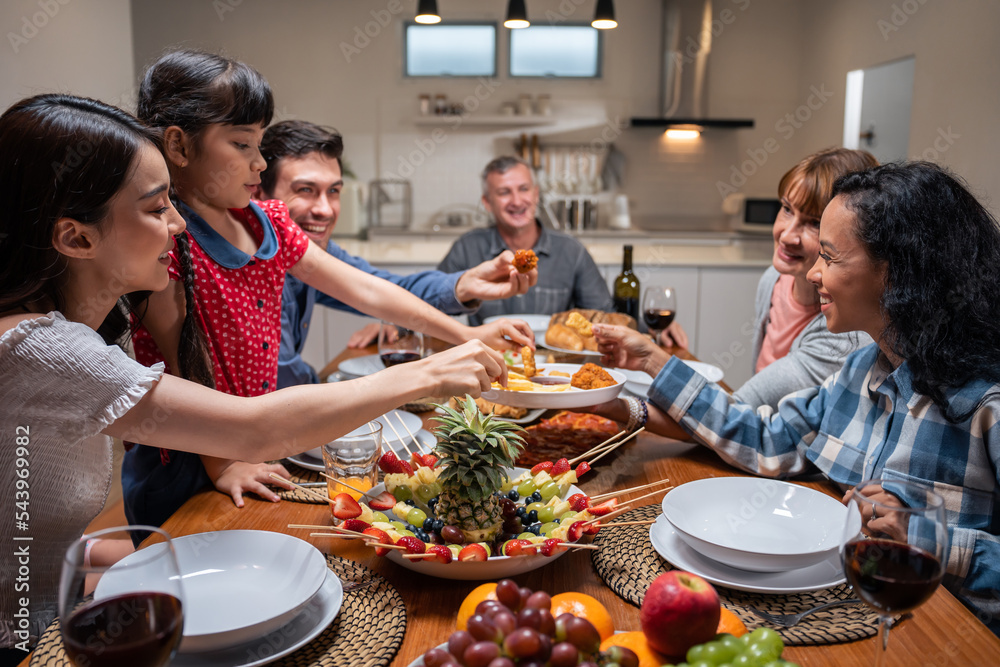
604	15
517	15
683	134
427	12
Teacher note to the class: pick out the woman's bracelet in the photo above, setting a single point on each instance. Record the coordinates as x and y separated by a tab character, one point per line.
638	413
86	552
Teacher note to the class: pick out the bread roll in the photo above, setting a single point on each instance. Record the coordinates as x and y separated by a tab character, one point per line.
561	336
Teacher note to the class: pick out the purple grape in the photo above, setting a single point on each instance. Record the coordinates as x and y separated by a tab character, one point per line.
480	654
459	641
564	654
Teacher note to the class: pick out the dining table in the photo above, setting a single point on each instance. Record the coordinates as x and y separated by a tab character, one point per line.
940	632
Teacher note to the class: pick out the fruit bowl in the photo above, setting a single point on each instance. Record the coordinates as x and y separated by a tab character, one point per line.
755	524
495	567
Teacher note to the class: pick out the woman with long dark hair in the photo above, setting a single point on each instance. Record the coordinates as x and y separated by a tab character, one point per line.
910	257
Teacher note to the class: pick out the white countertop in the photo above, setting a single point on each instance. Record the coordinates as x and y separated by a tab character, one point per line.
388	248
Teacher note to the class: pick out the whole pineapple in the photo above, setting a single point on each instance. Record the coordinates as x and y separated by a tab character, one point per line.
475	451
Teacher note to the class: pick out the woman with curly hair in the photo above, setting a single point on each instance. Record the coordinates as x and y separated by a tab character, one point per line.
910	257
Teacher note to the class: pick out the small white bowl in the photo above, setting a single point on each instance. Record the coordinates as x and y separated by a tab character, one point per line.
756	524
238	584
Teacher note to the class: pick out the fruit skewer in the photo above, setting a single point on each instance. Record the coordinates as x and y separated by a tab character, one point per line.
597	448
401	439
616	445
416	441
622	492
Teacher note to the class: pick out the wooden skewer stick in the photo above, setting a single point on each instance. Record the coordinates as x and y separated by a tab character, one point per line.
401	440
609	494
310	526
651	493
617	445
416	441
322	497
384	546
609	515
423	555
342	535
597	448
336	480
574	545
648	522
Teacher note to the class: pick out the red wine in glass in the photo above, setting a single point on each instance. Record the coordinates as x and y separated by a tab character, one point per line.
658	319
893	577
399	357
133	630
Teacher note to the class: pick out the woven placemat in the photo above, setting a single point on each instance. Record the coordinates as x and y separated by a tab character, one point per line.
300	475
367	632
628	564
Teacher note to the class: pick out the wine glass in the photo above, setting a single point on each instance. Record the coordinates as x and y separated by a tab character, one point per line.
128	613
397	344
894	548
659	307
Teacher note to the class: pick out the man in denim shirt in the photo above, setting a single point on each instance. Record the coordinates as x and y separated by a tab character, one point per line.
567	275
305	172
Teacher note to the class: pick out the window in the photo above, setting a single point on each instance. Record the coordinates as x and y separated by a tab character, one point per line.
451	49
556	51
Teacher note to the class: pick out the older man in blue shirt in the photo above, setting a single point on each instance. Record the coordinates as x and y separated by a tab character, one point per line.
305	172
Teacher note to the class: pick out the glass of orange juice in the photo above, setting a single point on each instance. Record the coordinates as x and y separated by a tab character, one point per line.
352	461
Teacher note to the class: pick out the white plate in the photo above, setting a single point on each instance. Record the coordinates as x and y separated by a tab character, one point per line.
314	618
756	524
638	382
361	366
390	438
495	567
536	322
238	584
677	553
309	462
531	416
558	400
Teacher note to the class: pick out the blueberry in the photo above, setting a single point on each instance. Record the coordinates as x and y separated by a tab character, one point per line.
421	535
536	529
428	524
514	495
413	504
432	502
438	525
410	527
531	517
536	497
520	512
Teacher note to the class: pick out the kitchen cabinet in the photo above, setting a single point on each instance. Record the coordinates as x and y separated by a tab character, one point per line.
454	122
715	307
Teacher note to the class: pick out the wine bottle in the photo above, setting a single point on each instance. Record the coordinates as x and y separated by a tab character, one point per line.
626	288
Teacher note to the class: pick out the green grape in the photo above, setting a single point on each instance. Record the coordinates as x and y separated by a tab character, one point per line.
547	528
526	488
534	506
379	516
525	536
406	532
696	652
719	652
549	490
437	488
416	517
745	660
546	514
702	663
424	493
768	643
507	485
398	525
566	516
402	493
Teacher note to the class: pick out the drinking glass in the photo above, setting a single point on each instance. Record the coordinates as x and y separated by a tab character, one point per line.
129	613
397	345
659	307
351	461
894	548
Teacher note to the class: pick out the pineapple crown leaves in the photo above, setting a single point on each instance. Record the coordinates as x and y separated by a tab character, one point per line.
475	450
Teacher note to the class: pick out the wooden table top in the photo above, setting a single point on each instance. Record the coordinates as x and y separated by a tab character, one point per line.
941	632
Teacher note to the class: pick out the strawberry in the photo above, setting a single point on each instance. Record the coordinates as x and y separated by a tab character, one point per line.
582	469
381	537
576	531
517	547
389	463
412	544
473	552
544	466
357	525
345	507
552	546
416	461
441	552
429	460
606	507
592	529
405	467
383	502
559	467
578	502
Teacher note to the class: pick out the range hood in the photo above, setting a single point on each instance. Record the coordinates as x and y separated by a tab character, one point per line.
686	47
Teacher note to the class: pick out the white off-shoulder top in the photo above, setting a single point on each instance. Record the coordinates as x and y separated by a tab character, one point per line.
60	386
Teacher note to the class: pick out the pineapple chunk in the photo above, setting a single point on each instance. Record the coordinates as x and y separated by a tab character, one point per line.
396	479
559	506
426	475
537	539
367	515
542	478
401	509
561	532
566	479
384	525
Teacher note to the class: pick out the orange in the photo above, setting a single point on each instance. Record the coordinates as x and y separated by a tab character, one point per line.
472	600
636	641
584	606
731	623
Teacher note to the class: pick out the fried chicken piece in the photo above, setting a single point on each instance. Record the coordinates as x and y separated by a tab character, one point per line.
579	324
591	376
528	361
525	260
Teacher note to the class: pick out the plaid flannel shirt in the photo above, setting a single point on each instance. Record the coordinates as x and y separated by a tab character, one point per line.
867	422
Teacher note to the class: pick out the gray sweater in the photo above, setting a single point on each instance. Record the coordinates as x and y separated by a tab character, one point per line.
815	354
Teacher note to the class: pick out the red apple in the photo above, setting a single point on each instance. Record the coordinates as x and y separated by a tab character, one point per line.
680	610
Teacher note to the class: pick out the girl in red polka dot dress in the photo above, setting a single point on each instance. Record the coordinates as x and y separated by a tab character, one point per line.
219	321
